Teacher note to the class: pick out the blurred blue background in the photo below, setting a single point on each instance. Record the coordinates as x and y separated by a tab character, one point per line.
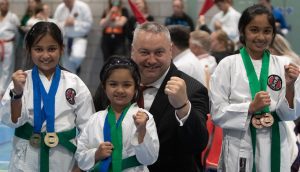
6	135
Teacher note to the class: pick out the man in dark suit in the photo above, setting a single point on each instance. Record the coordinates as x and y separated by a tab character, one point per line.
178	102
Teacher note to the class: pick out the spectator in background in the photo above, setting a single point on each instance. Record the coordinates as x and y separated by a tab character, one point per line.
22	62
179	17
41	13
281	47
199	44
132	23
9	23
281	25
221	45
75	19
31	5
227	19
113	40
182	56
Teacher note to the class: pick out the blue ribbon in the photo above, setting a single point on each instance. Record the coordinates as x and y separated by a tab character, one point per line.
48	111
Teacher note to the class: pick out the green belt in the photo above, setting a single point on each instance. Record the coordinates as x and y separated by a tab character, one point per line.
126	163
26	131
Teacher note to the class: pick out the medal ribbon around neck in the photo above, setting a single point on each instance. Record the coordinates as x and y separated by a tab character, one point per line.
48	111
256	86
113	133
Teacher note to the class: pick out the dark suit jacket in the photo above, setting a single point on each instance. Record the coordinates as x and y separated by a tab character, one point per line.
180	146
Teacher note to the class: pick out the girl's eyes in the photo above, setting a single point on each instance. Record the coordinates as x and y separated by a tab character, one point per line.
52	49
126	85
265	31
40	49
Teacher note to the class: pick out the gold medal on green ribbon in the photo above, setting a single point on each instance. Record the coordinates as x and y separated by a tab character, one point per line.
35	140
51	139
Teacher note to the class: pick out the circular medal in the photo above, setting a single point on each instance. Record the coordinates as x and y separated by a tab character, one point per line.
35	140
267	120
256	121
51	140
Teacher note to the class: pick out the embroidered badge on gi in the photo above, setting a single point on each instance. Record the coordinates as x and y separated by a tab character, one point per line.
70	95
275	82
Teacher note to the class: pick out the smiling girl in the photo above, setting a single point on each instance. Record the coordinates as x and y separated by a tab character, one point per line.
123	136
252	94
46	105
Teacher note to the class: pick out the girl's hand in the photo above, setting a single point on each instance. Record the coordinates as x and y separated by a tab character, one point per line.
140	121
19	79
291	74
104	150
261	100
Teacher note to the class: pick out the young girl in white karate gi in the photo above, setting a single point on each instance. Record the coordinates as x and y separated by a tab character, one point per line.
46	105
252	94
123	137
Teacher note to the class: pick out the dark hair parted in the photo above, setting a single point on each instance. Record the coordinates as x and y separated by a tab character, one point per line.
120	62
249	14
180	36
37	32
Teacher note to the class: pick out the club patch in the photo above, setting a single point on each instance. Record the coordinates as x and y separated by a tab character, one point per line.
275	82
70	95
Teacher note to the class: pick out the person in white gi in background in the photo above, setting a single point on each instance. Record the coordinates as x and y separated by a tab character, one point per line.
67	109
41	13
182	56
237	99
120	79
199	44
75	19
9	23
227	19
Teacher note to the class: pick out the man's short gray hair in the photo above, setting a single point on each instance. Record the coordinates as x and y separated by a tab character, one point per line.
152	27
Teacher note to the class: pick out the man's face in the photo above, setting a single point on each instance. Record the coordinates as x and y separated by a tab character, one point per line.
69	3
4	5
153	53
177	7
222	6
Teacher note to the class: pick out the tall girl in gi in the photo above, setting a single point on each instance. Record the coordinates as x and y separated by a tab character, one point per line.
46	105
252	94
123	136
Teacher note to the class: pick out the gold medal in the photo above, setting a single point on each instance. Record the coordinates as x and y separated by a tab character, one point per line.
267	120
35	140
51	139
256	121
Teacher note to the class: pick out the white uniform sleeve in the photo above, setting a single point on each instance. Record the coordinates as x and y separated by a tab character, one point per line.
85	106
224	113
85	155
84	22
147	152
5	110
283	106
